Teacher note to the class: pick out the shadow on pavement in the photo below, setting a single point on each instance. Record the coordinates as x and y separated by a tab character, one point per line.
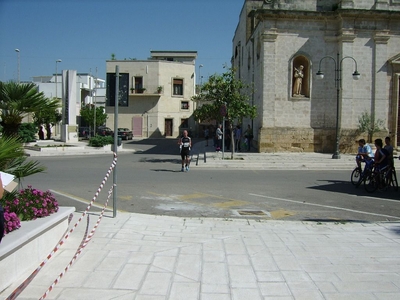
396	230
338	221
166	170
345	187
160	146
161	160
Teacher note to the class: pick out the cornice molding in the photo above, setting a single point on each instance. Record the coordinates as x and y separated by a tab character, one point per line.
270	35
381	37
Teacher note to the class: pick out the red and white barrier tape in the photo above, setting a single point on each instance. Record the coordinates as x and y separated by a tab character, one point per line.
23	285
81	247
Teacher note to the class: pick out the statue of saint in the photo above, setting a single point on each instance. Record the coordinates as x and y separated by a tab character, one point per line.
298	81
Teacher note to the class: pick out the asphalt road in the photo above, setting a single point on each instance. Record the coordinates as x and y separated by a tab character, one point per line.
149	181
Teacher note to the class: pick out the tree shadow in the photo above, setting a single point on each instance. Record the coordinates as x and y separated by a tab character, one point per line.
161	160
166	170
346	187
162	146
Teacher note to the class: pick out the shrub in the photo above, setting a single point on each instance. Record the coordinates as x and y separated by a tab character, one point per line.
27	132
100	141
31	204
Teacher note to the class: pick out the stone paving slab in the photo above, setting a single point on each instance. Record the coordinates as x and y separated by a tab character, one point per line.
136	256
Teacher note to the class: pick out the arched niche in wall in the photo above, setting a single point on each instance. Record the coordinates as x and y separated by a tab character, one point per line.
300	77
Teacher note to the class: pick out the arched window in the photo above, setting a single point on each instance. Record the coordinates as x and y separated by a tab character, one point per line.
300	77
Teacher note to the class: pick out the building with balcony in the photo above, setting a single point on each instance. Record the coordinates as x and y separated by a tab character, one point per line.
275	40
154	94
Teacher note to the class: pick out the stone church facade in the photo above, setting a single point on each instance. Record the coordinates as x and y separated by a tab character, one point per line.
280	45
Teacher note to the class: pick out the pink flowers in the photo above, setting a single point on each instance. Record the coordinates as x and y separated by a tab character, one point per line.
29	204
12	222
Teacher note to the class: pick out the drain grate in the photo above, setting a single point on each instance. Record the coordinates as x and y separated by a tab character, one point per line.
251	213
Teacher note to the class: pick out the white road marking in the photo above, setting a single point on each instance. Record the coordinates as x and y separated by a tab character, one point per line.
325	206
84	201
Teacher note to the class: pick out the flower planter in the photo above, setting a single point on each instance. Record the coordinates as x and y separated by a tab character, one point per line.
24	249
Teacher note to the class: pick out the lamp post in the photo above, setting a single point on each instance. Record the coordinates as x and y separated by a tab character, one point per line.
57	61
18	61
338	70
200	81
223	112
95	108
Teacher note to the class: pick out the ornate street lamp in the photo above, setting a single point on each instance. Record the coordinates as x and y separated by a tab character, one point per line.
338	70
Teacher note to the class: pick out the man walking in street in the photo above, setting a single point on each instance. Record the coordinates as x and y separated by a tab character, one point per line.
185	143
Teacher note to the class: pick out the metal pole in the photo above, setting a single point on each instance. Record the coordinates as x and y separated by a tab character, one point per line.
223	137
115	138
336	155
200	81
18	63
95	108
90	99
57	61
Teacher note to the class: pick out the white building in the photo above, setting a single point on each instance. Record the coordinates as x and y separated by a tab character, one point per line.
275	37
155	94
90	90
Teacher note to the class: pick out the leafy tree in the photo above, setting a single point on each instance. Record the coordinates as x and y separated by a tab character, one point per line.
48	116
87	114
367	124
224	90
16	101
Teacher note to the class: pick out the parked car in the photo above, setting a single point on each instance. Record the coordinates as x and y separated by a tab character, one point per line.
85	133
125	133
104	131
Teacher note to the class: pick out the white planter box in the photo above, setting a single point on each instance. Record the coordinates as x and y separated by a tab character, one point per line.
24	249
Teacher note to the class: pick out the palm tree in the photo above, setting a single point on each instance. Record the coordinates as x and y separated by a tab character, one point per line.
13	159
16	101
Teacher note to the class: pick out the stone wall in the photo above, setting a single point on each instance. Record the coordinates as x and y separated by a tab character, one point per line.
311	140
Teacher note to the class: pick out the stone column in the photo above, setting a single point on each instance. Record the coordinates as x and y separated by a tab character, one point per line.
268	53
380	94
347	94
69	105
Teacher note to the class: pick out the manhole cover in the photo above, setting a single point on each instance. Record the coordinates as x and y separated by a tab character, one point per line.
251	212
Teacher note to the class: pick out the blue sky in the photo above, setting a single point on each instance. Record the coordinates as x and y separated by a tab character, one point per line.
84	33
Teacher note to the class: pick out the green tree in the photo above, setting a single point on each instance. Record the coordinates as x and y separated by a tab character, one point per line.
49	117
88	115
17	100
224	90
366	123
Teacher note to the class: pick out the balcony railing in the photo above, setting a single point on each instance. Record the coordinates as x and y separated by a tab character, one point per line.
147	90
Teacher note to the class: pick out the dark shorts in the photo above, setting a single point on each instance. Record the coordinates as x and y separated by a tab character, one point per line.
185	153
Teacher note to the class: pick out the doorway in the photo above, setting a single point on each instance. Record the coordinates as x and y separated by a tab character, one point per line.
137	125
168	127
